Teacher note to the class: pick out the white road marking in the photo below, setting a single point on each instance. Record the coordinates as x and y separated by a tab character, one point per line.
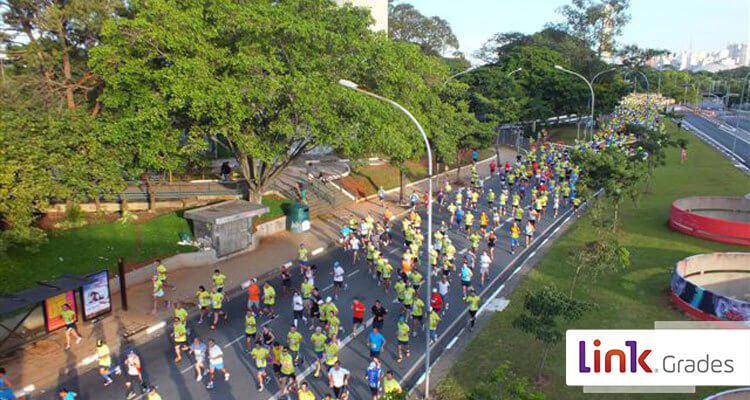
153	328
317	251
451	343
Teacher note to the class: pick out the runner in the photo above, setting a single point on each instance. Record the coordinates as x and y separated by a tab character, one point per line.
198	350
6	389
288	372
417	314
434	321
376	342
378	312
69	318
217	303
402	336
269	300
473	303
157	295
66	394
373	376
515	234
105	363
443	286
179	334
318	340
215	362
304	392
358	314
218	279
302	256
286	279
204	302
260	354
338	379
484	267
134	376
152	394
391	385
251	329
294	341
338	279
466	274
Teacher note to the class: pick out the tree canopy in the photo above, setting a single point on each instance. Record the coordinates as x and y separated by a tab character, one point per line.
261	75
433	34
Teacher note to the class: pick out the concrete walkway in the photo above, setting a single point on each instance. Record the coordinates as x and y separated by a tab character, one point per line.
45	363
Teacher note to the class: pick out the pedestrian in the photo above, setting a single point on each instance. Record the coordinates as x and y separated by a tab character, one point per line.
443	287
198	350
466	274
302	256
373	376
69	318
354	245
304	392
515	234
225	170
288	372
253	296
436	301
491	243
683	153
215	362
381	196
338	379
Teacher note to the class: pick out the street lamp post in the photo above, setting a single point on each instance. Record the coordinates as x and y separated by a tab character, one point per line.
600	73
591	88
356	87
745	84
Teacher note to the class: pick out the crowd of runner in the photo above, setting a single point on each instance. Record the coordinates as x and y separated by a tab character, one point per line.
535	187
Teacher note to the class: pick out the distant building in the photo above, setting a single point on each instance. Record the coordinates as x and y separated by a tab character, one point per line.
378	9
732	56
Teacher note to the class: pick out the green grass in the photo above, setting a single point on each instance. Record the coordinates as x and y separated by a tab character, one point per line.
91	248
277	207
630	300
566	134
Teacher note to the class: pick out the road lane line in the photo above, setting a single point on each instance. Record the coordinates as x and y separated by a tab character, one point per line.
317	251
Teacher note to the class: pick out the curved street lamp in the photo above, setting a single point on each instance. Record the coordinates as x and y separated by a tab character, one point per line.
642	74
351	85
600	73
591	88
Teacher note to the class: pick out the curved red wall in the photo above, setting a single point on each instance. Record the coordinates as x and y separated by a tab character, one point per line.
720	230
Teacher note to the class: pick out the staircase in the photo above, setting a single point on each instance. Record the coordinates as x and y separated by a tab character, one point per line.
322	198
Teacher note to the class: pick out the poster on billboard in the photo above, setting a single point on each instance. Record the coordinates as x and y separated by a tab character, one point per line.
96	296
53	310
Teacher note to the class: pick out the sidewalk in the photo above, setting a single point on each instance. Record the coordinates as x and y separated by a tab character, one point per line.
42	364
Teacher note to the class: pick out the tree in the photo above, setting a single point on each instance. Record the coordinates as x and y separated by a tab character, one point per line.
596	23
603	255
544	309
261	77
433	34
612	170
636	57
502	383
49	41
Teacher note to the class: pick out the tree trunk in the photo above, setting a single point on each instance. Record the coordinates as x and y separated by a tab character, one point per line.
401	186
123	205
544	360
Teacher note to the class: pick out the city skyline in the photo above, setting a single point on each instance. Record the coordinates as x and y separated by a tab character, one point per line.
692	25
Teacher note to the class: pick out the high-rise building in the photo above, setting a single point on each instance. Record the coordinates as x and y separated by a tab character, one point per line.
378	9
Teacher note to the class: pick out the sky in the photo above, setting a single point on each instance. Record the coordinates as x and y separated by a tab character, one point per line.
707	25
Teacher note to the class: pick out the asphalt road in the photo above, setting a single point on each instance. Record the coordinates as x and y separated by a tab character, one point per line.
178	381
737	142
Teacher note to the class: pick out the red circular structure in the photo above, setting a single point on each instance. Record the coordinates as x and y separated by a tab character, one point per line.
723	219
713	286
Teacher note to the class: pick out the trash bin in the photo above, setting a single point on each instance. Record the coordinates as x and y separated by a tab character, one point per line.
299	218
